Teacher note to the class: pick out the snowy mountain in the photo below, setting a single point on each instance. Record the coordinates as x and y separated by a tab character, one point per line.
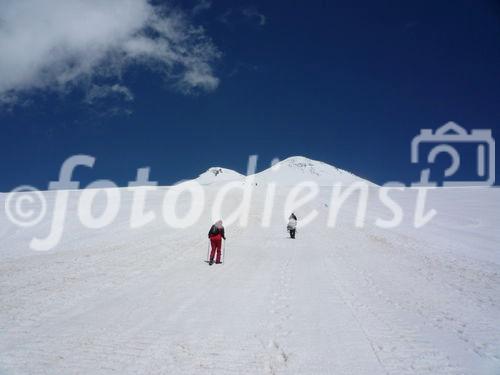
218	174
344	300
287	172
299	168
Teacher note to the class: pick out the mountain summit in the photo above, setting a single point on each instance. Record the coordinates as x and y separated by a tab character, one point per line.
297	169
218	174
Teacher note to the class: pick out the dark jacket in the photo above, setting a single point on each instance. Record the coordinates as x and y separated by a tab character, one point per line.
215	232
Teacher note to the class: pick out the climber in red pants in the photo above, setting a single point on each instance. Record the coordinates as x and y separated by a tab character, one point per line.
216	234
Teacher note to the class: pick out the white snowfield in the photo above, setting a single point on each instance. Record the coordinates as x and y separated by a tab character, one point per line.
343	300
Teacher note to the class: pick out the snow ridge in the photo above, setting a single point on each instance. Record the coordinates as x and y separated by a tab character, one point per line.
287	172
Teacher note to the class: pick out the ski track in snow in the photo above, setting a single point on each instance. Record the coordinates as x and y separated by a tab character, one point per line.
334	301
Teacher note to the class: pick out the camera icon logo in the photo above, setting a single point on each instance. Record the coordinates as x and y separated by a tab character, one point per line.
478	148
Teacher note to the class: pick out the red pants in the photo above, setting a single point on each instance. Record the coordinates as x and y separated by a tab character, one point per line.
216	248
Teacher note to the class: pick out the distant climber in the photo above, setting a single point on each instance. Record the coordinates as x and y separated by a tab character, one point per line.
216	234
292	225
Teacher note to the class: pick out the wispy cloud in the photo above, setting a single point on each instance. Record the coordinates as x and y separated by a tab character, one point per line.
62	44
248	13
201	6
97	92
224	17
252	12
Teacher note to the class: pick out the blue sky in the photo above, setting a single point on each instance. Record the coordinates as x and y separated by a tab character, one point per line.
348	83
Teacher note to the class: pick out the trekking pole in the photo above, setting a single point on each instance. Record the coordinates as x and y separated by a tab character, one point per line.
208	251
224	253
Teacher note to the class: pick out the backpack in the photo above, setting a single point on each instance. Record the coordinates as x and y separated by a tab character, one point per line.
214	230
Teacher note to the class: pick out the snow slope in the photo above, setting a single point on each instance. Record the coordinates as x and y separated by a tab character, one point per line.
345	300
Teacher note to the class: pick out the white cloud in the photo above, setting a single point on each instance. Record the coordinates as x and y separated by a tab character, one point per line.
252	12
97	92
201	6
59	44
